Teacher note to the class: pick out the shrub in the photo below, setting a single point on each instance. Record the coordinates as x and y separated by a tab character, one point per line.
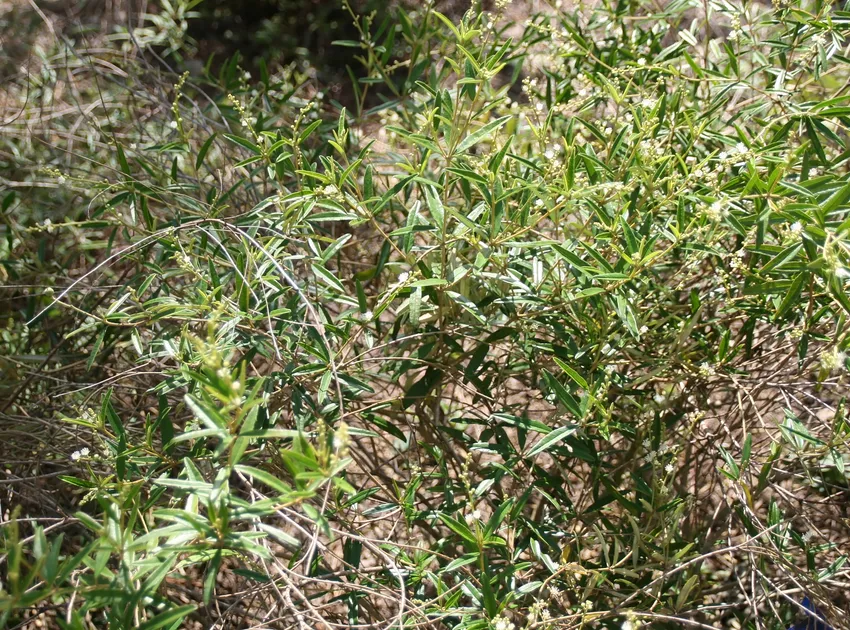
552	336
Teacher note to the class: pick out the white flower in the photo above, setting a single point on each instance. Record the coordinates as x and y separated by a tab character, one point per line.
539	203
61	180
722	155
503	623
706	369
330	190
796	227
641	61
741	147
77	455
173	124
716	211
403	276
832	359
669	468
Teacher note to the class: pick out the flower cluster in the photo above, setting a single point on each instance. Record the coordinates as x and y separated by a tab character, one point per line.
833	359
502	623
80	454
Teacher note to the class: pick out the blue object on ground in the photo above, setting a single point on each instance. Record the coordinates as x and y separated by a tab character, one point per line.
813	622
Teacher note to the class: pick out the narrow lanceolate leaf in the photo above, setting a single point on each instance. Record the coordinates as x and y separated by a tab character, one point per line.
328	278
206	414
686	591
98	344
244	142
422	387
782	258
485	132
265	477
435	206
551	439
571	373
792	296
458	528
168	617
203	151
448	23
837	199
564	397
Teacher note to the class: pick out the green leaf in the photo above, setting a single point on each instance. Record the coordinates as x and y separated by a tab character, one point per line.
458	528
564	396
168	617
836	199
686	591
485	132
733	472
462	561
328	277
202	153
498	516
98	344
552	439
205	413
571	373
781	258
420	389
244	142
435	207
448	23
209	578
792	297
265	477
